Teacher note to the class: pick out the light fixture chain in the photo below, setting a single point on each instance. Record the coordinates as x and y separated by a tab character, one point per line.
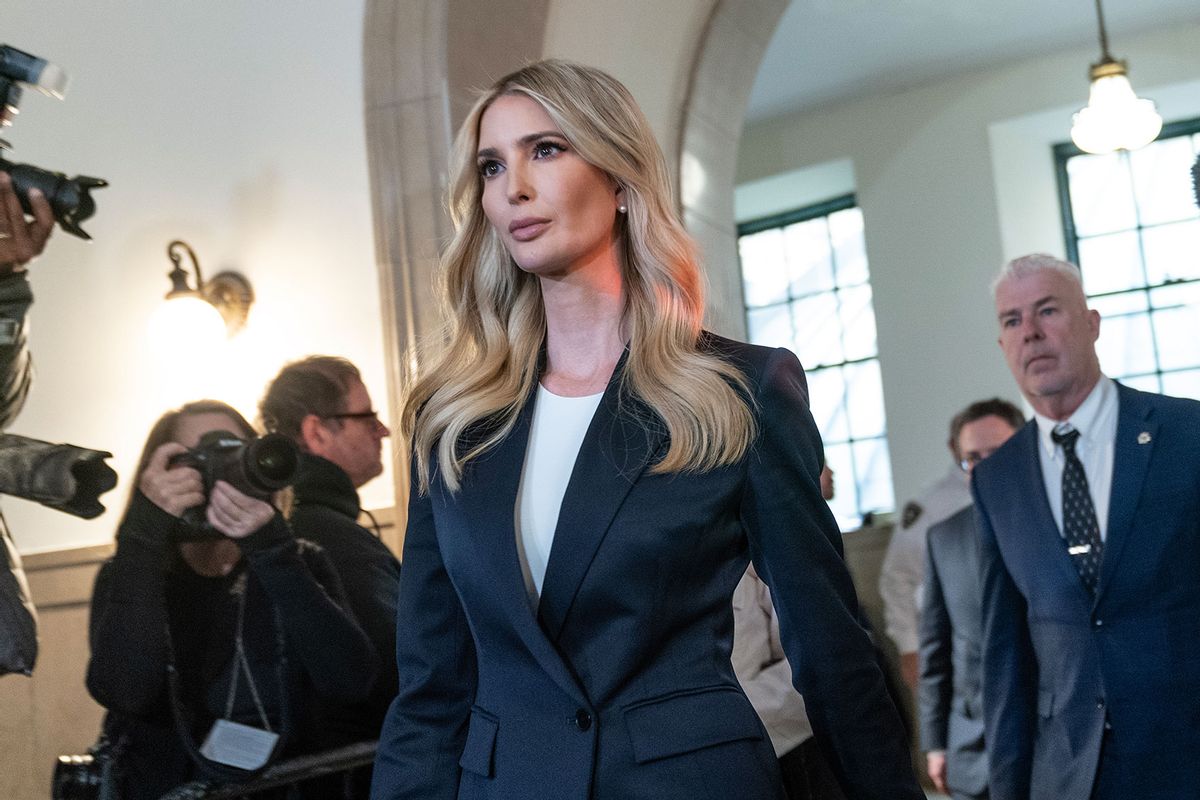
1104	54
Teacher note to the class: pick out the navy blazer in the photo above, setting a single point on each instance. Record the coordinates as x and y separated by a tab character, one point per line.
1059	664
951	627
620	686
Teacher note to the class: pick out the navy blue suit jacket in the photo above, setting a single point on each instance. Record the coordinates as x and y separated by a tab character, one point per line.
620	685
950	697
1058	663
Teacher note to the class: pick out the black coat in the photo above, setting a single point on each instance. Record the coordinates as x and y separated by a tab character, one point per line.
326	512
149	609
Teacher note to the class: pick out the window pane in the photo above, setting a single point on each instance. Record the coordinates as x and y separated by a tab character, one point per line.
826	399
808	257
874	473
1125	346
858	322
1177	325
1172	251
764	272
864	396
1115	305
1161	181
1146	383
1111	263
1101	194
822	309
818	338
849	247
771	326
1182	384
845	493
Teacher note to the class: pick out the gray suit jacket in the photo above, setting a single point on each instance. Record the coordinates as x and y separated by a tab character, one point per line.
951	632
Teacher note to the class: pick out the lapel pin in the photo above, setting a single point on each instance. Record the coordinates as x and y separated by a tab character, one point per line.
1144	437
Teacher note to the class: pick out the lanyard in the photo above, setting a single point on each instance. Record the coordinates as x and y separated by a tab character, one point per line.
242	664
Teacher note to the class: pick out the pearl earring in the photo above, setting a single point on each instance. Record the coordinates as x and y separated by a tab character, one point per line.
622	209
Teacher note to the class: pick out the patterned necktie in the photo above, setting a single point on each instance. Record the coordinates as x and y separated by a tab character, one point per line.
1080	528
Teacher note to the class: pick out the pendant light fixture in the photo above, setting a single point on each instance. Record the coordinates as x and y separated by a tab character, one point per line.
1115	118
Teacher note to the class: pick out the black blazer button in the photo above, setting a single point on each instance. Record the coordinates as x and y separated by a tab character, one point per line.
583	720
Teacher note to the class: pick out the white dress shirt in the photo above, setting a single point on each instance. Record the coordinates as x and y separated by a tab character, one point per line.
1096	421
555	436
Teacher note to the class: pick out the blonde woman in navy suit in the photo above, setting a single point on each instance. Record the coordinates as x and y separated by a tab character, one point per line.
591	474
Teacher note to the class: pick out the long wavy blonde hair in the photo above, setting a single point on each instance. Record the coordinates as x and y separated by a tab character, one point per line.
496	322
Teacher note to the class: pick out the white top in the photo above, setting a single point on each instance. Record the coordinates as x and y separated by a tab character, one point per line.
902	576
1096	421
762	668
555	436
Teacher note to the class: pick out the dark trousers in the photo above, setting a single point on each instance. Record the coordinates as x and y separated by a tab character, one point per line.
807	775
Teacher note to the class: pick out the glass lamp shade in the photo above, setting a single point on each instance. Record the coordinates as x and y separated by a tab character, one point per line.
1115	118
187	323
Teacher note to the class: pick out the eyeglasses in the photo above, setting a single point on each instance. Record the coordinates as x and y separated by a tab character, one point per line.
973	458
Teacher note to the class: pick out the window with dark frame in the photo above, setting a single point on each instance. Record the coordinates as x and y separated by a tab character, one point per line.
1131	223
807	288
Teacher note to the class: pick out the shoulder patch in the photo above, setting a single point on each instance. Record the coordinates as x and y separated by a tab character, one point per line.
911	513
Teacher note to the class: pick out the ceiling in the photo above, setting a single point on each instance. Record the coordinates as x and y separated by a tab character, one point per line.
831	50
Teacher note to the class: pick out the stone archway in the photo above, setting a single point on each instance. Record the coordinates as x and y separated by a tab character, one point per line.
726	64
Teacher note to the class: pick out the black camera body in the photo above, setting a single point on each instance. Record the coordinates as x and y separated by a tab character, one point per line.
69	198
258	467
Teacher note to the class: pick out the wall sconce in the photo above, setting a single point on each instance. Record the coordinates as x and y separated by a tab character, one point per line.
1115	118
216	308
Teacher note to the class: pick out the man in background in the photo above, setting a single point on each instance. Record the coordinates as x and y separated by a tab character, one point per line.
320	402
903	570
1089	520
949	697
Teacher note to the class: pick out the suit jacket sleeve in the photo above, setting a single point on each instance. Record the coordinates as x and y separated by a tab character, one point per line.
935	688
762	669
796	547
426	727
1009	669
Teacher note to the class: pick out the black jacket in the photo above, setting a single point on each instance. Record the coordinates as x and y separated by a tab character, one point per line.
326	512
149	608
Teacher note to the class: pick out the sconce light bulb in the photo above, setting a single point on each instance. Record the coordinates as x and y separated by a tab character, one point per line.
186	324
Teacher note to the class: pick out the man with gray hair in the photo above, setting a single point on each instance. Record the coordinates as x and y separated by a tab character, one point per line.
1089	520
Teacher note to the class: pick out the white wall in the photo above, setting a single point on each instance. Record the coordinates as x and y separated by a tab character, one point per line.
927	184
236	126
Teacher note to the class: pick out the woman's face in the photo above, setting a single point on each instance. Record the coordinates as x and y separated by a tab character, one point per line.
554	211
191	427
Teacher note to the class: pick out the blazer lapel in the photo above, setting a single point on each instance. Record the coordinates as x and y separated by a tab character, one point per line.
488	498
1131	459
1043	527
622	439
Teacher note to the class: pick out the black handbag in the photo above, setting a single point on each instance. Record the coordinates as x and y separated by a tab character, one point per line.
96	775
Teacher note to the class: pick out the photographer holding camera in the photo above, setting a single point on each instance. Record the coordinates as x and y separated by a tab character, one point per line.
212	642
20	240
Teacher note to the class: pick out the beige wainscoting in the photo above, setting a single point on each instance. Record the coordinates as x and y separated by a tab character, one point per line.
51	713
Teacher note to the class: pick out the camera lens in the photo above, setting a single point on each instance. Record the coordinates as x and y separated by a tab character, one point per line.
272	461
